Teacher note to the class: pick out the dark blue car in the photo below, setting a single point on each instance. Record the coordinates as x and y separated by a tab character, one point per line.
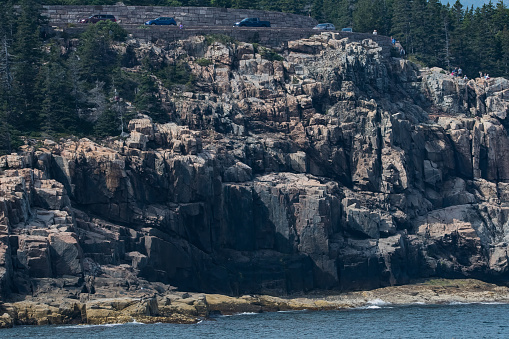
162	21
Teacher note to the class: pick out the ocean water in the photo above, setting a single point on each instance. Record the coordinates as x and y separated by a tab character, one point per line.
377	320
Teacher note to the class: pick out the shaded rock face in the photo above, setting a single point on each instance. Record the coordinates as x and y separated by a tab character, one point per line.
321	171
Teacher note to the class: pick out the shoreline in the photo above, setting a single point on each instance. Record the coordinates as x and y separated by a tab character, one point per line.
190	308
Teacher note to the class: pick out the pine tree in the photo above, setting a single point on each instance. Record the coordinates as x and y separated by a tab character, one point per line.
246	4
487	43
6	76
435	34
78	92
221	3
501	16
364	16
503	37
58	114
27	52
147	100
108	124
97	57
458	35
401	18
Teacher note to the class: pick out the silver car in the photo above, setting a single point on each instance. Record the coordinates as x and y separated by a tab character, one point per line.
327	26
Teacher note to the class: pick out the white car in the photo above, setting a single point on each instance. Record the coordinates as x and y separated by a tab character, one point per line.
327	26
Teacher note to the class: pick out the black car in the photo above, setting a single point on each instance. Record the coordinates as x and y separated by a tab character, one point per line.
98	17
163	20
252	22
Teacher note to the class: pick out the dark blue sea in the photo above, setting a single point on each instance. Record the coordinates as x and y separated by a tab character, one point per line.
416	321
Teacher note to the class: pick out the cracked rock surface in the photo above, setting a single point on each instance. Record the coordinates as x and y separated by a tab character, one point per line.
336	168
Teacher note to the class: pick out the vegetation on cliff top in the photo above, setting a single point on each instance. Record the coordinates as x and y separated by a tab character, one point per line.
47	89
475	39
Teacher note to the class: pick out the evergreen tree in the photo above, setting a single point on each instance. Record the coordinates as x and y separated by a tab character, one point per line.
108	124
339	12
147	100
243	4
401	18
58	114
369	15
78	91
487	47
435	34
419	28
316	10
27	51
364	16
503	37
97	57
458	34
6	76
221	3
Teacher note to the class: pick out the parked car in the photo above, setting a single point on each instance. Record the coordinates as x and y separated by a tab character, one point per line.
347	29
98	17
326	26
252	22
163	20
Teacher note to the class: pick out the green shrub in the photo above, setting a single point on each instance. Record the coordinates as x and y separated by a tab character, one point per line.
224	39
204	62
256	46
176	74
270	54
416	60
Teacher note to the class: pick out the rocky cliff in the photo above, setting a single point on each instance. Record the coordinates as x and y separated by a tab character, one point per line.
337	167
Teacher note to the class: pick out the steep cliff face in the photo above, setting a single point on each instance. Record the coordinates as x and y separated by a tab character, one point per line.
335	168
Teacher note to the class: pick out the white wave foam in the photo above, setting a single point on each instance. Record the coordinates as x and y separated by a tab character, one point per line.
377	302
292	311
493	303
134	322
85	326
458	303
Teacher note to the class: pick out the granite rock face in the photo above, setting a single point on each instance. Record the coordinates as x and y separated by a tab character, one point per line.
335	168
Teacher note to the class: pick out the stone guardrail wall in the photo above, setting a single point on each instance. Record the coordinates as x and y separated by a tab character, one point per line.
273	37
188	16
